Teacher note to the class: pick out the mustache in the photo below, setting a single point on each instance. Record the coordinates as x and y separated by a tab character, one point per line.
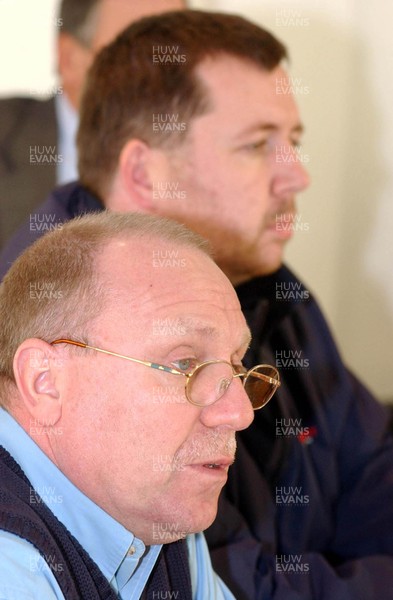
287	207
205	447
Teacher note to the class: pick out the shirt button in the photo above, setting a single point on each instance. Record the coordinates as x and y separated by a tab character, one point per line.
131	551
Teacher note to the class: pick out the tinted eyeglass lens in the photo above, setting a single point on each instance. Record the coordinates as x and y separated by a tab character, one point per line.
260	385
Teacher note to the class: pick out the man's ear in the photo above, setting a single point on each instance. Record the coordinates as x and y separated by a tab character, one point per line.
35	371
139	167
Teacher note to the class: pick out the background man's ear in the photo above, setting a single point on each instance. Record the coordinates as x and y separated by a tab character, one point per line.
134	171
35	371
140	168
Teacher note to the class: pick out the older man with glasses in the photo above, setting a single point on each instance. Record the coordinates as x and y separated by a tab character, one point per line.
101	480
184	117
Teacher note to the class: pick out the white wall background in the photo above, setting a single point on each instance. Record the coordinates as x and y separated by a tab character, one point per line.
342	57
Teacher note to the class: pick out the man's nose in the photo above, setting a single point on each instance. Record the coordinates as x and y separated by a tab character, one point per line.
233	409
290	172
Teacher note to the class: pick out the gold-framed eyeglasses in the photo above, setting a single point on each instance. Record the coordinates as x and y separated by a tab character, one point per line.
208	381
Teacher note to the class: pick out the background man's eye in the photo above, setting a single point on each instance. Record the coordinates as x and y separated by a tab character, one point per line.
259	145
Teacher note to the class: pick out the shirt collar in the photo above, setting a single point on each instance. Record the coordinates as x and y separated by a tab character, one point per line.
67	120
105	540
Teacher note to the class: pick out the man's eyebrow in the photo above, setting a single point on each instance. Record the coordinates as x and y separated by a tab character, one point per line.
267	127
205	330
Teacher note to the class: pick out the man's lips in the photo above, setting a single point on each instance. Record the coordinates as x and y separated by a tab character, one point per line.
214	464
283	225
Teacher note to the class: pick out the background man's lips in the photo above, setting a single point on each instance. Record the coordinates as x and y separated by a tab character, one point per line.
283	226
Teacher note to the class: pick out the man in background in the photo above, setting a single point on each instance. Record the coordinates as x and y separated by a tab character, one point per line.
184	116
37	138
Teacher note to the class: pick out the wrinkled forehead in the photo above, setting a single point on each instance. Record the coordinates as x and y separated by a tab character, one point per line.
142	267
147	281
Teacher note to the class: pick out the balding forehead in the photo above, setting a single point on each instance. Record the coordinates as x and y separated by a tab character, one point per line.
142	260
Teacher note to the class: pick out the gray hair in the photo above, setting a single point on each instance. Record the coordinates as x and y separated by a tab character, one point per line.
53	289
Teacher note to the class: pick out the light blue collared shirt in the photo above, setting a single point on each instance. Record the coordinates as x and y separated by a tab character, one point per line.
123	559
67	123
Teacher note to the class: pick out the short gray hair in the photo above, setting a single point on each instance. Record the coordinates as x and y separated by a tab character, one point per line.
53	289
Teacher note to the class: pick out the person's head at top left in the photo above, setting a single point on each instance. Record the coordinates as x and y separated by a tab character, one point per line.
129	435
85	26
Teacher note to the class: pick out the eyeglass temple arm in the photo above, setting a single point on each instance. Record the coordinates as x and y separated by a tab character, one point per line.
72	342
137	360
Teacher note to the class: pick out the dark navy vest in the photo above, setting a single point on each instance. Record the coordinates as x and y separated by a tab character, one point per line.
79	578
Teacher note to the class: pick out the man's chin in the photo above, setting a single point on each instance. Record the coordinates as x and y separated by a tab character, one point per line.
257	261
207	518
270	260
271	269
266	268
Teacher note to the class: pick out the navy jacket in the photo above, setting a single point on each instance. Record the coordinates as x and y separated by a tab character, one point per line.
308	510
65	203
307	513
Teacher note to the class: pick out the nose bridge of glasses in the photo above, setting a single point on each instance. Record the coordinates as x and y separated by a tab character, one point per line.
241	375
